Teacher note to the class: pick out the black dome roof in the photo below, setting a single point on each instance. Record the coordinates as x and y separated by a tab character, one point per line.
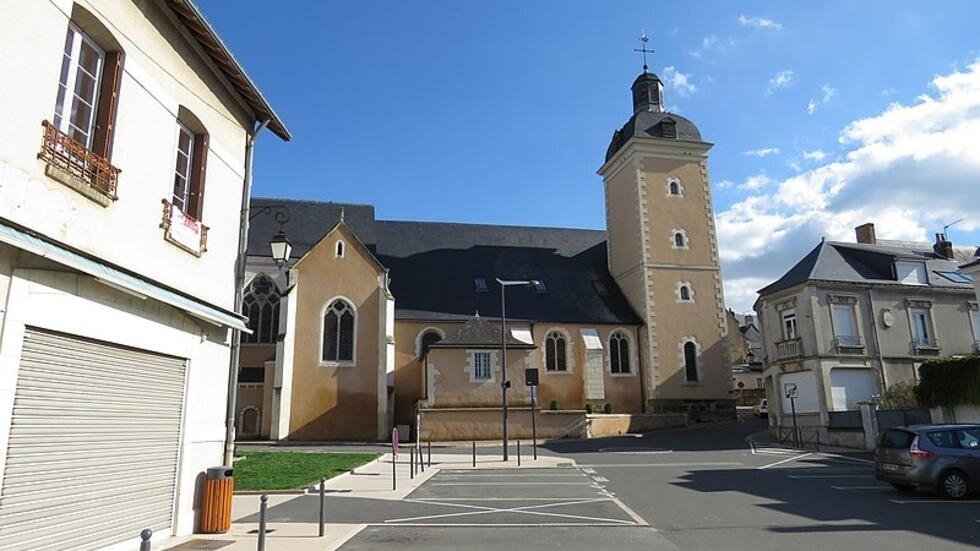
650	124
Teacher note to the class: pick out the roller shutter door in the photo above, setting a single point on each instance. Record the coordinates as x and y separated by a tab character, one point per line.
94	444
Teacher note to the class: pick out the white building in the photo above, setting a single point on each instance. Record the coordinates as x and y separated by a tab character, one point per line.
127	128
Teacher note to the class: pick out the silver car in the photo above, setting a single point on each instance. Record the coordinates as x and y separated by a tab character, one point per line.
943	457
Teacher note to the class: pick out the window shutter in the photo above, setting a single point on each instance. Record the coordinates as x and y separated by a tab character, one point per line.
105	117
195	201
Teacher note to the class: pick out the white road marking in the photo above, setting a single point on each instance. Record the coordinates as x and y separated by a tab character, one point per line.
824	476
879	487
588	471
529	510
504	524
647	465
459	477
801	456
928	501
512	484
438	499
600	479
631	451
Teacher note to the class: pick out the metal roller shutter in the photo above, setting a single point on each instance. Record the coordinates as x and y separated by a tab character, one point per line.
94	444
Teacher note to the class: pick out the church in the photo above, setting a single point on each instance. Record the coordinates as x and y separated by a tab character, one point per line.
373	324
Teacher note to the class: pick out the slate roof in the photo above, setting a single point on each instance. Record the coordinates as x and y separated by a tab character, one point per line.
479	332
649	124
869	263
433	264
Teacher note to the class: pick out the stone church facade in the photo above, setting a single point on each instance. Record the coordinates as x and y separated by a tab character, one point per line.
378	323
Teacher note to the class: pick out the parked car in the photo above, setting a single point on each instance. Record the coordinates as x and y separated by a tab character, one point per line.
762	408
941	457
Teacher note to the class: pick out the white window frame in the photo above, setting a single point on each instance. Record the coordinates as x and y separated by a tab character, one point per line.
681	285
680	188
471	365
926	326
323	311
625	335
63	121
181	201
911	273
340	248
482	366
788	319
569	352
853	339
673	239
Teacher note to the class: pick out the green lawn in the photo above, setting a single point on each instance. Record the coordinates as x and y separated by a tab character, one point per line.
291	470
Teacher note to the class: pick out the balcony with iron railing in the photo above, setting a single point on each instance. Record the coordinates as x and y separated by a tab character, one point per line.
183	230
925	346
790	348
78	167
848	344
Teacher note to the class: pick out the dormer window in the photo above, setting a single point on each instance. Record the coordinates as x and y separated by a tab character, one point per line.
911	273
668	129
540	287
480	284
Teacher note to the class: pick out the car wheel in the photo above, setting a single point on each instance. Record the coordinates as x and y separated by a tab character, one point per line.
953	484
905	488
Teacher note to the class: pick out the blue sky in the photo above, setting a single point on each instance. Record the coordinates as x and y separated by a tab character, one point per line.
823	115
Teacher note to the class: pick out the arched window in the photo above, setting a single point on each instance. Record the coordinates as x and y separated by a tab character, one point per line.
675	188
691	362
679	240
428	339
555	351
685	293
619	353
340	249
261	305
338	332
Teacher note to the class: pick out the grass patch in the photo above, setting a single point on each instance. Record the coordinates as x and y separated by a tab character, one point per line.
291	470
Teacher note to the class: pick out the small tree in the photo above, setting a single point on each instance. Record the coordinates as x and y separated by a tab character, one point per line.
607	408
900	395
553	406
588	409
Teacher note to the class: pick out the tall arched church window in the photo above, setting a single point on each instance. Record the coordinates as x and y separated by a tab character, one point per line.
691	362
619	353
261	305
338	332
555	352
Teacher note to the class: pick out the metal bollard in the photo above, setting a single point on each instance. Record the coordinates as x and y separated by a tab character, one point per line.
323	492
411	463
262	510
145	536
429	444
394	475
474	453
518	453
421	461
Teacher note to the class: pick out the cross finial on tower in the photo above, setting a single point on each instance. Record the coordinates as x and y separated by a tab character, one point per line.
643	49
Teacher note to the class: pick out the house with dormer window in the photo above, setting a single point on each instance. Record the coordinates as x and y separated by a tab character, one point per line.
851	319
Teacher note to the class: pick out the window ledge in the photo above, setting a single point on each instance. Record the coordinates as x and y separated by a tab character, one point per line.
337	364
622	375
556	372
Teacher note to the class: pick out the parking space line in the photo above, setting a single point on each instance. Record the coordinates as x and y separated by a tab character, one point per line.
824	476
436	499
787	460
579	475
928	501
588	483
649	465
529	510
506	525
879	487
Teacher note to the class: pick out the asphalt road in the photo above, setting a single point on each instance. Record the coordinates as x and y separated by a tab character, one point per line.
704	488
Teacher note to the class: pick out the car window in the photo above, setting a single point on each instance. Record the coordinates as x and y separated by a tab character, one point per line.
896	439
968	438
943	438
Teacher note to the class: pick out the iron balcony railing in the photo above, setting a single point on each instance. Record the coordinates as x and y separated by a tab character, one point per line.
925	343
848	341
792	348
183	230
62	152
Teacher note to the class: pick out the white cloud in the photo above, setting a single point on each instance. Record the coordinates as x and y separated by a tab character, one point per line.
897	163
795	166
754	183
678	82
762	152
759	23
782	79
725	184
815	155
811	106
828	93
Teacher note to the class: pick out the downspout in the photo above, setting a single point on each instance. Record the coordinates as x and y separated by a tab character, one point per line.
236	335
639	367
874	335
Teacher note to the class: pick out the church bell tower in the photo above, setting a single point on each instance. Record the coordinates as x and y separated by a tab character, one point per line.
663	254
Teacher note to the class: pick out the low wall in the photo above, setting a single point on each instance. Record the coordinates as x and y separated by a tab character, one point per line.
600	425
463	424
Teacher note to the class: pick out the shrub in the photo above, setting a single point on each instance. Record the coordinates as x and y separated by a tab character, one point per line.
607	408
553	406
949	382
588	409
899	396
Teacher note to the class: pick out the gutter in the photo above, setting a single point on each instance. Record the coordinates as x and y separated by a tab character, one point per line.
236	335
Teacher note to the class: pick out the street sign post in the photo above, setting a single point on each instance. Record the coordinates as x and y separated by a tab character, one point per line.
531	379
792	391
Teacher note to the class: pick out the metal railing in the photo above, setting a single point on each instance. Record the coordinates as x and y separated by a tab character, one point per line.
62	152
168	227
925	344
792	348
848	341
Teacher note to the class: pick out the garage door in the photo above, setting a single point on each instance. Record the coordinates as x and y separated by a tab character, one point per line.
94	440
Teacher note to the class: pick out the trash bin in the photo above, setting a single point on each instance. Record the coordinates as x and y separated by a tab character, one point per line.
219	485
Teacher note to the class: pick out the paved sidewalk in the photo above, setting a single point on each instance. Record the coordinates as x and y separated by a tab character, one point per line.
372	481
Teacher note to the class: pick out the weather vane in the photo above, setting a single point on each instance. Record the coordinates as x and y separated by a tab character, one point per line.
643	48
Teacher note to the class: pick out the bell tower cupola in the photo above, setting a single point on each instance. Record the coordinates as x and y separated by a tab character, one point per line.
648	93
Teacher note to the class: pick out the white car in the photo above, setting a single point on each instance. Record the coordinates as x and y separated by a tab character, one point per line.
762	408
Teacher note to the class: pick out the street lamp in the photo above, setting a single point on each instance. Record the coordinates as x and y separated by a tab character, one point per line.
504	383
281	248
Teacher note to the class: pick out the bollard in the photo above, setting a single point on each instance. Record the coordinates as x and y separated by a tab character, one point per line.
411	463
421	461
474	453
518	453
262	510
429	444
394	476
323	492
145	536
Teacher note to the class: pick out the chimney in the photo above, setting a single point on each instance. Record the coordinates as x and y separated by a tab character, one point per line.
943	247
865	233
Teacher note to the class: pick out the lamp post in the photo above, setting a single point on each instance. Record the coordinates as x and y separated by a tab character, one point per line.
281	248
504	383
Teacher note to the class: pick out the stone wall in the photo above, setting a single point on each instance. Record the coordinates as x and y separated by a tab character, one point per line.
618	424
464	424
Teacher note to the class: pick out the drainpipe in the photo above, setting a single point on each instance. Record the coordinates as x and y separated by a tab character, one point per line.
874	335
236	335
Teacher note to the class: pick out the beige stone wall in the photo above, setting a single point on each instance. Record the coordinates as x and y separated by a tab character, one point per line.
466	424
409	370
336	402
615	425
623	222
452	385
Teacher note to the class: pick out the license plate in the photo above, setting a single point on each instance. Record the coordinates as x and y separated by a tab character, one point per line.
889	467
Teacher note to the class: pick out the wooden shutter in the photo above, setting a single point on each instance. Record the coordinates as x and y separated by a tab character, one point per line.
195	200
105	115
